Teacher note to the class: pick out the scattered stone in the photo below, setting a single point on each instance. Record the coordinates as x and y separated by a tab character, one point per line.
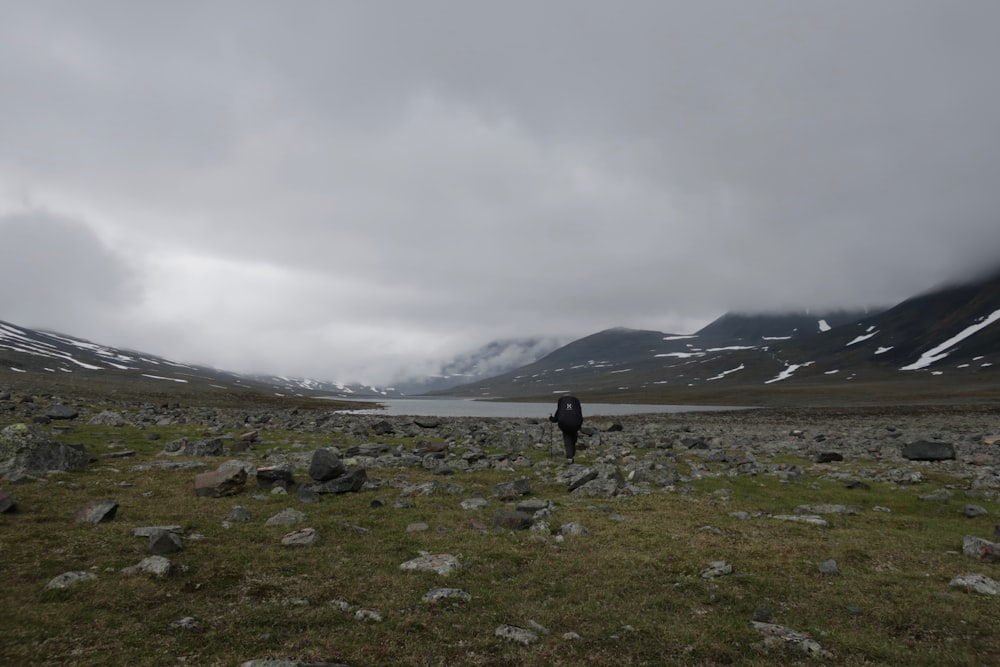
275	476
62	412
417	527
829	457
717	568
977	583
508	491
25	449
350	482
300	538
577	477
163	542
972	511
515	634
811	519
156	566
443	564
438	594
571	636
779	635
474	503
762	614
108	418
97	511
219	483
829	567
368	615
239	514
70	579
512	520
573	529
927	450
941	496
325	465
286	517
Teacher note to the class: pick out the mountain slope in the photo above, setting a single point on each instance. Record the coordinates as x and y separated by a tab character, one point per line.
952	333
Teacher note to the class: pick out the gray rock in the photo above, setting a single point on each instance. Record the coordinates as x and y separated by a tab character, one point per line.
512	490
300	538
978	583
163	542
928	450
286	517
325	465
220	483
108	418
443	564
97	511
24	449
577	477
62	412
275	476
474	503
515	634
972	511
155	566
239	514
573	529
717	568
829	567
351	481
438	594
779	635
70	579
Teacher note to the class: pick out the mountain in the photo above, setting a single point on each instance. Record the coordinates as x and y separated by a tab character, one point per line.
944	345
947	341
25	351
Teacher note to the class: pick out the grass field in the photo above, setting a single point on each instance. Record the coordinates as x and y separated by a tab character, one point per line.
631	590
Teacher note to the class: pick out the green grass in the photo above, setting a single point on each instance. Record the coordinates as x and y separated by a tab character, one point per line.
631	589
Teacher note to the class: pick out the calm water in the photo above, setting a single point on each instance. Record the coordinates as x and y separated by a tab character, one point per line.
466	407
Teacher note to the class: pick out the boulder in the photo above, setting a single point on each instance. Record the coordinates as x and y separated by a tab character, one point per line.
62	412
325	465
280	475
219	483
351	481
164	542
68	579
928	450
25	449
98	511
108	418
300	538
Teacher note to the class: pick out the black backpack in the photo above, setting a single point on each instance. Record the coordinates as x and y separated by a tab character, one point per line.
569	416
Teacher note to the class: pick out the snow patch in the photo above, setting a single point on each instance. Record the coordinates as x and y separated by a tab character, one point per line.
862	337
788	372
944	349
725	373
157	377
823	326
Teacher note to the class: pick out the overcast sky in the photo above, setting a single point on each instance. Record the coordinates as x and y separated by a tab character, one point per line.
357	190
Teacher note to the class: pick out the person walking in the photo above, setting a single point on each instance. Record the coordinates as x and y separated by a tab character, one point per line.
569	418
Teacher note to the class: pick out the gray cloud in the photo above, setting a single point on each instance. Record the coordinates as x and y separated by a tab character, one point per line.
361	190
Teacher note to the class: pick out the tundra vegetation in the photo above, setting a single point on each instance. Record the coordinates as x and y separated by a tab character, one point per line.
717	565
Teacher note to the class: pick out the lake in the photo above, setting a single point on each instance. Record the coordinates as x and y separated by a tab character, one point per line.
467	407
